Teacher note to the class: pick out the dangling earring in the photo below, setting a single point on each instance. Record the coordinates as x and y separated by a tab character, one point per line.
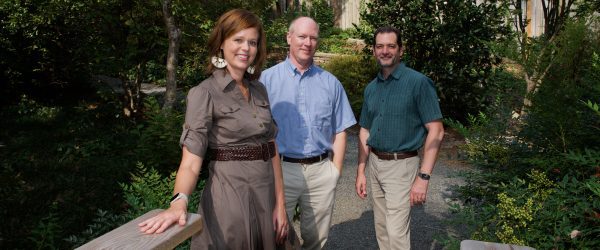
218	61
250	70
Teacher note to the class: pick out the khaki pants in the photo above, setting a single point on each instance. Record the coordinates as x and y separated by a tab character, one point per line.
313	187
391	182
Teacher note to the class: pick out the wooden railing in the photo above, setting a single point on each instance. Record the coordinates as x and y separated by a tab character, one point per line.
128	236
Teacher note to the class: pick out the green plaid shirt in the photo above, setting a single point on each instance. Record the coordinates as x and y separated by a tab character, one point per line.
396	109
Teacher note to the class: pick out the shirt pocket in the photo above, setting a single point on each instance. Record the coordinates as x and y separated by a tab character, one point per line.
229	118
323	114
263	109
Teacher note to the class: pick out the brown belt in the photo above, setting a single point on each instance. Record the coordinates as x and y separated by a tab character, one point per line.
263	152
393	155
309	160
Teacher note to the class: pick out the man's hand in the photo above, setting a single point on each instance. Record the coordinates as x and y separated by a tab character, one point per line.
418	192
361	185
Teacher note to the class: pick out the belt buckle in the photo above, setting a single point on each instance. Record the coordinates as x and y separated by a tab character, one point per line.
264	148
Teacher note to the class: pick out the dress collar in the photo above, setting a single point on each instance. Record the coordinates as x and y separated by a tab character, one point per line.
224	79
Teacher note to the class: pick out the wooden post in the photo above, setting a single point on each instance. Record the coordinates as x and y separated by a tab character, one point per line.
128	236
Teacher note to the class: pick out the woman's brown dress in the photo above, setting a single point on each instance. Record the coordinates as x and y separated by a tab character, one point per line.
238	199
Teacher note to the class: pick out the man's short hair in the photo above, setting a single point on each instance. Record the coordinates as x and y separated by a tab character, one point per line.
388	29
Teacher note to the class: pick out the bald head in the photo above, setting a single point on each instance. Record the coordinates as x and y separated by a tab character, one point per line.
303	21
302	37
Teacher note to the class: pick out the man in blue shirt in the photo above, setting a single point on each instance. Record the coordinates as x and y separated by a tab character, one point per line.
400	113
312	111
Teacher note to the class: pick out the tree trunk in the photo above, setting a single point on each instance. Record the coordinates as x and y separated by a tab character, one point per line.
531	86
174	39
133	97
555	12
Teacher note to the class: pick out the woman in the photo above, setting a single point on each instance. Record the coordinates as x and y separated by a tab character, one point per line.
228	114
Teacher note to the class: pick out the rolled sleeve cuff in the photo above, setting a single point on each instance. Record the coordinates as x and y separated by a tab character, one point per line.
194	141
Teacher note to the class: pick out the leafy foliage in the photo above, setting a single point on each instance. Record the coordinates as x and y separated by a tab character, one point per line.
449	41
554	206
354	72
103	222
150	190
86	151
557	121
51	49
159	133
339	43
56	157
45	233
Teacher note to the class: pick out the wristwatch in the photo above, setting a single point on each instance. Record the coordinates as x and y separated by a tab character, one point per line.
424	176
178	196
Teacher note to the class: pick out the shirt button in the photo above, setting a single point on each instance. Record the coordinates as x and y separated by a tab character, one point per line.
187	126
260	125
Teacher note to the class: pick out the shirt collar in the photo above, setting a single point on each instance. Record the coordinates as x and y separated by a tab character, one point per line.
396	74
224	79
293	69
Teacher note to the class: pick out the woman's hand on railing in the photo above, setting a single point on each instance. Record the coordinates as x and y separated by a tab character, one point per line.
161	222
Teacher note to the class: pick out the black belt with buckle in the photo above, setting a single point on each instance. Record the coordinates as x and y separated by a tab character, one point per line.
309	160
393	155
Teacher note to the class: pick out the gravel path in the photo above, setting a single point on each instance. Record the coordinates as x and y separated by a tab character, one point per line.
352	225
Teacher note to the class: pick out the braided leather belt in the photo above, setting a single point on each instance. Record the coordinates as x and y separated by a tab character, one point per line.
393	155
309	160
263	152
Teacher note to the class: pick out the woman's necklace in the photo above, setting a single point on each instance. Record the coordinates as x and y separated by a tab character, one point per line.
245	91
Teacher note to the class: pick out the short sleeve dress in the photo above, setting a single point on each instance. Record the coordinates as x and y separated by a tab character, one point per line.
239	197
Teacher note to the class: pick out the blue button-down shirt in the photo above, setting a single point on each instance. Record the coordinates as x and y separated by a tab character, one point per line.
309	108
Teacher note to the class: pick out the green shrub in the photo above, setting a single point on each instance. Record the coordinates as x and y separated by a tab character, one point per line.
150	190
487	144
45	234
555	205
572	207
68	157
337	43
276	32
354	72
537	212
159	134
557	122
454	51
